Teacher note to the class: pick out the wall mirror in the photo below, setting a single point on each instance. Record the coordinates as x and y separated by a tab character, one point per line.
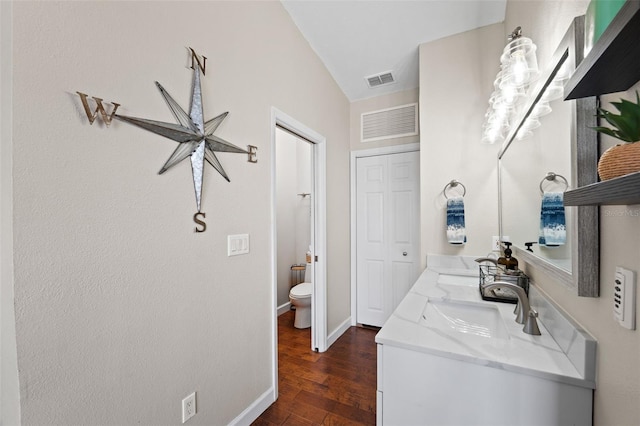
564	146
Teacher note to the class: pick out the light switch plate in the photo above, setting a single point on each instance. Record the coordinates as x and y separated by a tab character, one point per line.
624	298
237	244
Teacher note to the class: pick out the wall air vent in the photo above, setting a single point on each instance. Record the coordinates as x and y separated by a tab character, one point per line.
380	79
389	123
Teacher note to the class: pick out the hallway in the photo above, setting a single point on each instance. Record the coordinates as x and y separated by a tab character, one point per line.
330	388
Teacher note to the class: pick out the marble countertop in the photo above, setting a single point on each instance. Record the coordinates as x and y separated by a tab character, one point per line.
570	359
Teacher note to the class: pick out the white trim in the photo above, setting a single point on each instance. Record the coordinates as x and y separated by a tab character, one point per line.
395	149
253	411
383	150
318	240
335	335
319	245
284	308
9	375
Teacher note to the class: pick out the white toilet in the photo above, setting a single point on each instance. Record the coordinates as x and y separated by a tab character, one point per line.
300	297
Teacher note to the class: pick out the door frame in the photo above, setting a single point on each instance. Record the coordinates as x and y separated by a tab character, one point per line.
318	237
371	152
10	392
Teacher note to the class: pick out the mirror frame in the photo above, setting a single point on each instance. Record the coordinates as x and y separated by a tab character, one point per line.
585	238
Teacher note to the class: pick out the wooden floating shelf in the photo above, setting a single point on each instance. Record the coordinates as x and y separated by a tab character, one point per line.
624	190
613	64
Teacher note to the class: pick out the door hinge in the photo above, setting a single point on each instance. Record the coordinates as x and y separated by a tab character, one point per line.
316	258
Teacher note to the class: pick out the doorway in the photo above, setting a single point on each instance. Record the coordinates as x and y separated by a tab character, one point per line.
385	225
294	212
318	238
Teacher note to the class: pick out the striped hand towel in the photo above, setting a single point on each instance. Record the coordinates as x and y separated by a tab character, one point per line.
455	221
553	231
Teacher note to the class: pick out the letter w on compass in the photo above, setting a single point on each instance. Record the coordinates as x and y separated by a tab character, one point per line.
194	136
99	109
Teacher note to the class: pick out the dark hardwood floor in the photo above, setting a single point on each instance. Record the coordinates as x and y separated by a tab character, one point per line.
337	387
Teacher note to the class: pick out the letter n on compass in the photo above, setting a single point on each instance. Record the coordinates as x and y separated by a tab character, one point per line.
196	60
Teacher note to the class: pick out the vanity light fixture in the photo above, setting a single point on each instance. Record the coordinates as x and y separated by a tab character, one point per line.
518	69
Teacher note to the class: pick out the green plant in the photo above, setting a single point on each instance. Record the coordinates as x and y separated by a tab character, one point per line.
626	125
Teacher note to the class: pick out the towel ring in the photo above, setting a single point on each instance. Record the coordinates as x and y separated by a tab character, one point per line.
453	184
551	177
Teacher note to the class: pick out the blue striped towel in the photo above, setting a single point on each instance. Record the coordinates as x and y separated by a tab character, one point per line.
455	221
553	230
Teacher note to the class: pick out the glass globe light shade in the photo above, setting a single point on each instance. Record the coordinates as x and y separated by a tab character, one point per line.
542	108
519	63
530	124
512	95
492	133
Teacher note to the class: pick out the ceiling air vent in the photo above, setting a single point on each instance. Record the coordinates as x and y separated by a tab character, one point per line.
390	123
380	79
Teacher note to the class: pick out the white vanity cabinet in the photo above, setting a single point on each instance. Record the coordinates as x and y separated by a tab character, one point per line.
446	357
417	388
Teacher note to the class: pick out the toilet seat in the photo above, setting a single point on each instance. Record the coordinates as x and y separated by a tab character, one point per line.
301	291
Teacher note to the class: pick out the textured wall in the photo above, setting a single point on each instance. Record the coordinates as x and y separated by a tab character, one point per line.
121	309
456	76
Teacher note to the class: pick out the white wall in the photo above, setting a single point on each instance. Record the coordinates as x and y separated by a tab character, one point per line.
121	308
618	364
456	76
293	172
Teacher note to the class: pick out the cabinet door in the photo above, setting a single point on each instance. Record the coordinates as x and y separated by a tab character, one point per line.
387	233
416	388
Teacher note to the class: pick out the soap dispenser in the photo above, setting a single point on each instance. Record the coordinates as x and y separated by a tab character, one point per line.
510	263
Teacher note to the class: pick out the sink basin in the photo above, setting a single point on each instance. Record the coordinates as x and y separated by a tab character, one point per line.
464	280
474	319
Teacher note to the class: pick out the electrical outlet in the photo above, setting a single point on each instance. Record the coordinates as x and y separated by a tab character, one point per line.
495	242
188	407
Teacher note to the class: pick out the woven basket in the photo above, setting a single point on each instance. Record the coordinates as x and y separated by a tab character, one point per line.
619	160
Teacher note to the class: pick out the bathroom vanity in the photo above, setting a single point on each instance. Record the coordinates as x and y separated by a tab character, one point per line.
447	357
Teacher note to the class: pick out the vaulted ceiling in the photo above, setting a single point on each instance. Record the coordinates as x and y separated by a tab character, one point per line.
360	38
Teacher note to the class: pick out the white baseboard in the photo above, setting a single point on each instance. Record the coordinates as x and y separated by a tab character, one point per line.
253	411
284	308
335	335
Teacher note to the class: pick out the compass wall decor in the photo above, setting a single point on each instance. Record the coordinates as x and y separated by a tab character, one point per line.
195	136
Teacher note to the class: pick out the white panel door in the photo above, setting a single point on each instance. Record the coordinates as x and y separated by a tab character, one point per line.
387	233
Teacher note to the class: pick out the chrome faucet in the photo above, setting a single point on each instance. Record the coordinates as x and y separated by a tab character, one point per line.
524	314
487	259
